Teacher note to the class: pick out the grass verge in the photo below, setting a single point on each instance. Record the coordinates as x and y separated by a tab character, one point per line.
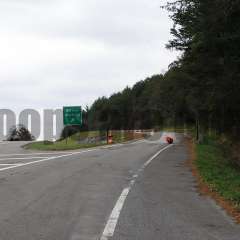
77	141
59	146
218	177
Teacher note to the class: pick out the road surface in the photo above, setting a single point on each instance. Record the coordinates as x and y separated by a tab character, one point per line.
135	191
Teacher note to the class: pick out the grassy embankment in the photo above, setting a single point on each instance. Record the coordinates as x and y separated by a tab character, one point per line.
219	173
77	141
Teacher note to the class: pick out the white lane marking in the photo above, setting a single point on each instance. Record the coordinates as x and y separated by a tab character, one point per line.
56	152
30	154
45	159
27	158
10	164
113	219
56	157
114	216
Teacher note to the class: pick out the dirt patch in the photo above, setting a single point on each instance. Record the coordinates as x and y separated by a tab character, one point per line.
204	189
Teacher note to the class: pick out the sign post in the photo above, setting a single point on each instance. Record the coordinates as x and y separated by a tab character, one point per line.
72	116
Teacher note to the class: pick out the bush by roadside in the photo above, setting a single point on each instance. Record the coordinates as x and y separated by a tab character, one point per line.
20	133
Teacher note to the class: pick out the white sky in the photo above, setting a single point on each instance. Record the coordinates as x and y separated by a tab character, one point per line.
69	52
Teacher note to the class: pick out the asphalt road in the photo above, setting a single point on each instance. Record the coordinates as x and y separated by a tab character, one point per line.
142	190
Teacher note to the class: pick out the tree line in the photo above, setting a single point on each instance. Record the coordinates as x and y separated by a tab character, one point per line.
201	87
148	104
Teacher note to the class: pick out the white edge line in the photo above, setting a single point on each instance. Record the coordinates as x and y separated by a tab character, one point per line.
27	158
30	154
45	159
54	153
62	152
56	157
114	216
10	164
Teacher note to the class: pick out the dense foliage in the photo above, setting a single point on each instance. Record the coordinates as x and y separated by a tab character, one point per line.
200	87
19	133
149	103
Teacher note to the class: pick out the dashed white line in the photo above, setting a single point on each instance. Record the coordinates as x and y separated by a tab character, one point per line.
113	219
114	216
135	176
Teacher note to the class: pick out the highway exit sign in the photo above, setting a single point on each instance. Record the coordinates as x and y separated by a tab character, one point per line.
72	115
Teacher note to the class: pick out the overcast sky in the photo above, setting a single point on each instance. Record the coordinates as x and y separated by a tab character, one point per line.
69	52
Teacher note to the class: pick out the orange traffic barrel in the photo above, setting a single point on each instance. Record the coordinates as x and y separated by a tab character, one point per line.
110	139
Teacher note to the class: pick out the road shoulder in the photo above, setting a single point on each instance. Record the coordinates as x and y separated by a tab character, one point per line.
205	189
165	204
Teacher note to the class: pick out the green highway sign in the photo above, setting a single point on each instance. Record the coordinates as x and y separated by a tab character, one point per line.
72	115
